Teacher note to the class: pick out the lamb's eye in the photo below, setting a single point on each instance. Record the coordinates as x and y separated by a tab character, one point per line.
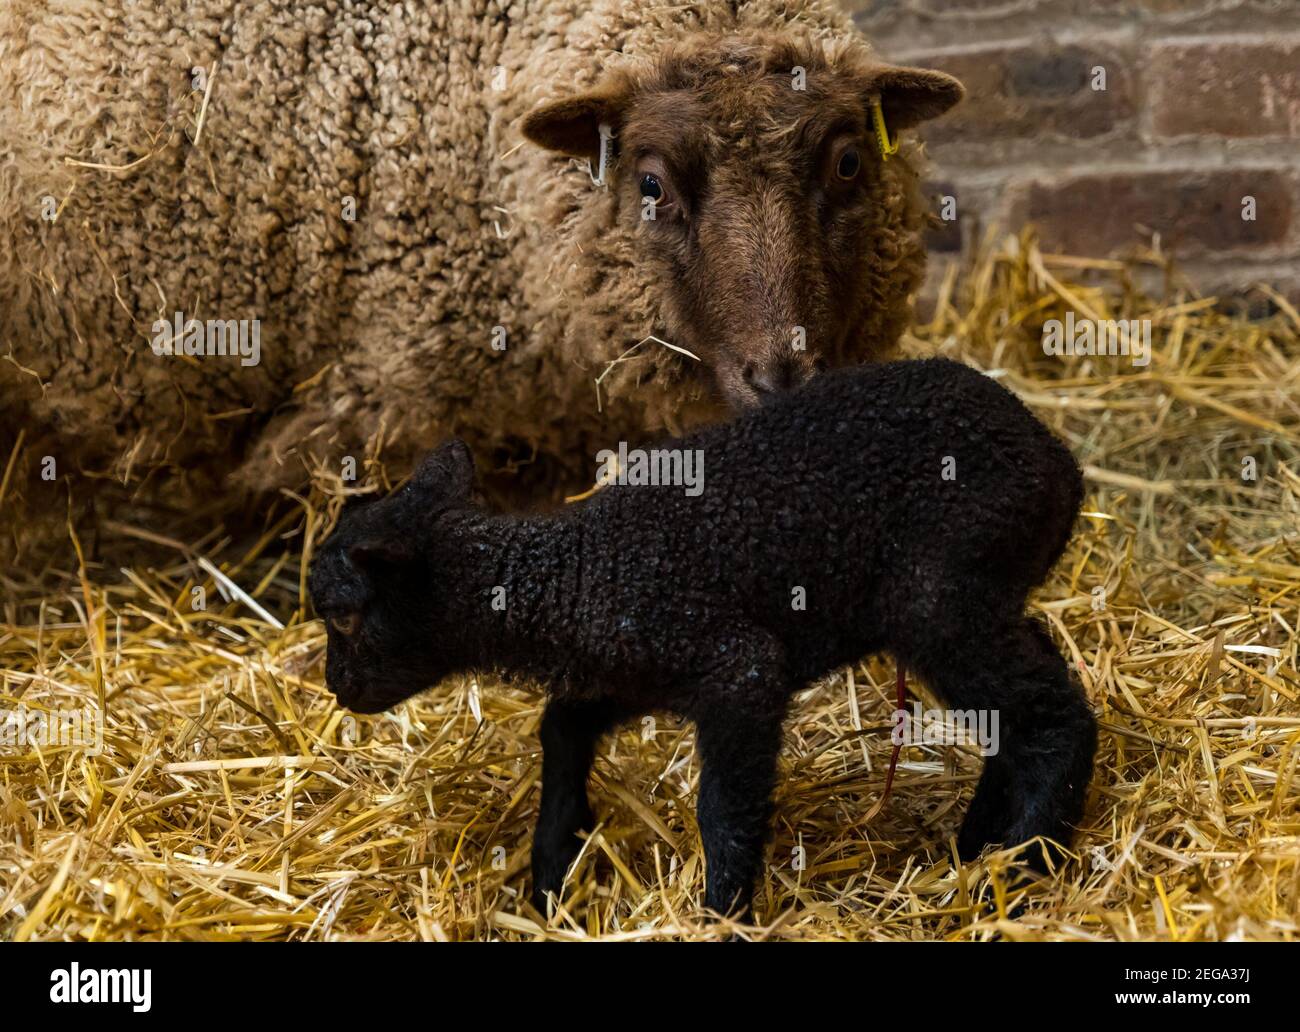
652	188
346	624
849	164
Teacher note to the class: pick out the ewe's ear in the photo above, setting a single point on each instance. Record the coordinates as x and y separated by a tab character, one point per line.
447	472
910	96
572	125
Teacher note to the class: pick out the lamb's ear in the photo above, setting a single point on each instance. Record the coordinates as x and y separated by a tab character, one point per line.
910	96
447	472
374	552
572	125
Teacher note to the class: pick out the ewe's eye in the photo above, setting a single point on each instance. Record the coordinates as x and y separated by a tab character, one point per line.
849	164
652	188
346	624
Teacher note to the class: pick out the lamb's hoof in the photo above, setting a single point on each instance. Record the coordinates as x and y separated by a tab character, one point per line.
1040	855
548	881
730	907
549	870
976	836
541	900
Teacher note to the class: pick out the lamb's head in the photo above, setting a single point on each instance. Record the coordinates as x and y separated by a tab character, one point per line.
374	583
749	174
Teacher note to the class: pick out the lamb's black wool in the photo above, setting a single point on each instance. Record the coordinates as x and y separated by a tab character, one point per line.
910	506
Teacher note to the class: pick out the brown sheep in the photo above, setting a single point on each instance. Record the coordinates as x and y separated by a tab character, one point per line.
484	283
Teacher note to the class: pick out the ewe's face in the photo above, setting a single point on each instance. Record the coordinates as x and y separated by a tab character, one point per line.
372	583
764	211
751	202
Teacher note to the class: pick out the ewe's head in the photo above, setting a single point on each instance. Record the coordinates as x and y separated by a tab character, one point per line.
748	170
373	582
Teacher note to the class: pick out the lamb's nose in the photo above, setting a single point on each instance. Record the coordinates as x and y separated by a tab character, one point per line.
779	375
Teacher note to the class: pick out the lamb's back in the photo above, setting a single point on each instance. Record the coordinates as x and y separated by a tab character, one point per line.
878	467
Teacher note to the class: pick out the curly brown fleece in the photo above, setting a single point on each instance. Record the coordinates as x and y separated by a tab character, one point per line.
461	227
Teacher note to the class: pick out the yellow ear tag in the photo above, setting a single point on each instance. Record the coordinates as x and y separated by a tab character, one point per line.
882	134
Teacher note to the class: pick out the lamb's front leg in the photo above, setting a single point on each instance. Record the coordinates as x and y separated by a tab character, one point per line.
738	730
569	733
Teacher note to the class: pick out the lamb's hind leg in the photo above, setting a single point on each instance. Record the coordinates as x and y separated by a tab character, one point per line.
569	733
1035	782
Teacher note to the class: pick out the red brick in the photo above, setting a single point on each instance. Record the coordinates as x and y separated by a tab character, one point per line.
1182	9
974	6
921	24
1194	212
1237	285
1029	92
1225	88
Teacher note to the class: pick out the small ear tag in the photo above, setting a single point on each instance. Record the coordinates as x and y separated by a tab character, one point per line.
882	134
606	134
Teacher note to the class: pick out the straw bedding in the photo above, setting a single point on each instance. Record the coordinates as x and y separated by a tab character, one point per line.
232	799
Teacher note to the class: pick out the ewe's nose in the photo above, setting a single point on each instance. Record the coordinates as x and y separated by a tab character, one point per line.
780	374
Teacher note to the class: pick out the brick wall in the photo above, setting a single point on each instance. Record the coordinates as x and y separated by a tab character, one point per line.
1199	114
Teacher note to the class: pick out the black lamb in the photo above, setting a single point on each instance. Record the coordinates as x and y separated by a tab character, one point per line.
908	506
